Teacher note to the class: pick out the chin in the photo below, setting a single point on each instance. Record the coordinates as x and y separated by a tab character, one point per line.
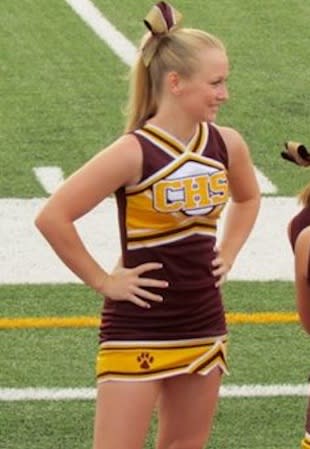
210	117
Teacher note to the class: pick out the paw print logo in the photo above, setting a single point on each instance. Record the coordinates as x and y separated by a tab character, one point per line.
145	360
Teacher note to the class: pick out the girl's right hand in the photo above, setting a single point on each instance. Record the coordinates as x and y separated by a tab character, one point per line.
125	284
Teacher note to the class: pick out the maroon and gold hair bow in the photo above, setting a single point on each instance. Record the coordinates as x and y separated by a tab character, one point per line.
161	19
297	153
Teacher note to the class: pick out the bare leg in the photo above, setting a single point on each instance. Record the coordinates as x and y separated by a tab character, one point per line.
186	408
123	414
305	444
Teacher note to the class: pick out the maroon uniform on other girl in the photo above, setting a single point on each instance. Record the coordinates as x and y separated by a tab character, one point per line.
298	223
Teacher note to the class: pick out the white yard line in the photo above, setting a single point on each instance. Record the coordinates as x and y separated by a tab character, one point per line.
49	177
228	391
91	15
27	258
259	391
265	185
46	394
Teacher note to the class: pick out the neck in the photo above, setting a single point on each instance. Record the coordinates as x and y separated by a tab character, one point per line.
175	124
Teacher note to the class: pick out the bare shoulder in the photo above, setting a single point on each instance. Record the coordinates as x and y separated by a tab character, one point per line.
124	156
234	141
303	238
126	146
126	141
240	170
302	253
302	245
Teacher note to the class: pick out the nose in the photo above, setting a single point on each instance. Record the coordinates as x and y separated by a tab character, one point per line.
223	94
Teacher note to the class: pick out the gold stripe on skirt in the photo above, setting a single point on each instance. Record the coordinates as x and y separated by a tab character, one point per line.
149	360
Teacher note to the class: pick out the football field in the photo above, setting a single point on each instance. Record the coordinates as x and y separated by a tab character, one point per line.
63	83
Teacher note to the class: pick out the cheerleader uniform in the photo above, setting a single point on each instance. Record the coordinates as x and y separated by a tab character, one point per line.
298	223
170	217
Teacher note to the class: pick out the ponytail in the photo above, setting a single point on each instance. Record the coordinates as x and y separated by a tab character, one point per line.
164	48
141	105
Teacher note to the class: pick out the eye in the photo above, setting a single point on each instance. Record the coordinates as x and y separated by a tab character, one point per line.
216	83
219	82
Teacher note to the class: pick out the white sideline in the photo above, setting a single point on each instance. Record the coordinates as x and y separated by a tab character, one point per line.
229	391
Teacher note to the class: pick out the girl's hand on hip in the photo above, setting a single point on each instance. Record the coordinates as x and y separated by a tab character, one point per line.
125	284
220	268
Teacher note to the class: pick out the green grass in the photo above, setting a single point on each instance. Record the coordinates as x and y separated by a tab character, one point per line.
273	423
60	93
239	424
48	300
49	425
267	354
62	90
75	299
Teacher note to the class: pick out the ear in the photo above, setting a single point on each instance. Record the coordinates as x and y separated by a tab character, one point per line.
174	82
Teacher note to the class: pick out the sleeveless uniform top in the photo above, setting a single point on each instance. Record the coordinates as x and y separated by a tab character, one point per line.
170	217
298	223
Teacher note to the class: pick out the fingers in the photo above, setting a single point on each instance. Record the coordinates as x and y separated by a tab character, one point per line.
140	269
139	302
139	293
127	285
148	295
221	281
220	271
147	282
218	264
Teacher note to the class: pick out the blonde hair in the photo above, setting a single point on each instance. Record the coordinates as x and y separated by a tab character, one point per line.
304	196
176	51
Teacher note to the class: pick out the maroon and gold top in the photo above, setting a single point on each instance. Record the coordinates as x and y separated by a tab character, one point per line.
298	223
170	216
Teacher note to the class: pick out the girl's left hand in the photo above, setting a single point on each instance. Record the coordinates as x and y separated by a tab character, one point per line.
221	268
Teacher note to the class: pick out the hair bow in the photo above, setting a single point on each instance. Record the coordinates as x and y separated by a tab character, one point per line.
297	153
161	19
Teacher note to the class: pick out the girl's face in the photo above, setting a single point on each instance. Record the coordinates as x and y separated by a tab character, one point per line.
205	91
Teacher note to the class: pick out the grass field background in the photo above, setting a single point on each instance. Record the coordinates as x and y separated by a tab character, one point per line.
62	90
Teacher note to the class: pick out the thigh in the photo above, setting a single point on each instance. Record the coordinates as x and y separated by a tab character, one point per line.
186	408
123	413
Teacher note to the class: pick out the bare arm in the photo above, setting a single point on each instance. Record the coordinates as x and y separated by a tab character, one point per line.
302	285
245	199
118	165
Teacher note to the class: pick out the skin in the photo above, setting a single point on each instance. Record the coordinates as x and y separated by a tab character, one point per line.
124	408
302	285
